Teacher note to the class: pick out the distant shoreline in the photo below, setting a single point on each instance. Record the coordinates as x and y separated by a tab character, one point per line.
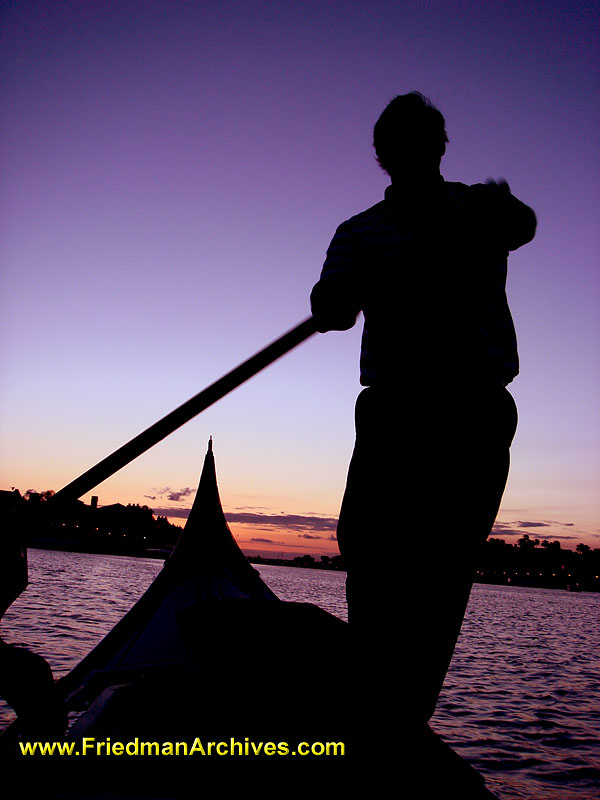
483	576
134	531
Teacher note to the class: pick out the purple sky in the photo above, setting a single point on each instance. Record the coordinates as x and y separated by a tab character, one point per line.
172	174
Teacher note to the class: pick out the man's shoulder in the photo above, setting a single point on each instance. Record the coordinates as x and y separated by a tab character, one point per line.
363	221
456	189
375	216
378	211
352	234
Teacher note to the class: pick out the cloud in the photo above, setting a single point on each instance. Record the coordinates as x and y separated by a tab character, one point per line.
505	529
515	528
168	511
302	523
308	536
500	530
171	494
176	497
533	524
294	522
264	541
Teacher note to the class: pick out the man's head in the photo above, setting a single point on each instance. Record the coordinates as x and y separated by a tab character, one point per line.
410	137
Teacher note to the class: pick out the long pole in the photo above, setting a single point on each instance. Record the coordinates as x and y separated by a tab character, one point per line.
161	429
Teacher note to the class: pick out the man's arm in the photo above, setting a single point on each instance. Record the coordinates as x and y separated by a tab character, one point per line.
511	222
334	299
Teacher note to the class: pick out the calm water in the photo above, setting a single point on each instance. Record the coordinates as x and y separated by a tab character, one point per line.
521	701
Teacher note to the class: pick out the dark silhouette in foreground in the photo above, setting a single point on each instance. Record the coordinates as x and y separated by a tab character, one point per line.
427	267
26	681
209	657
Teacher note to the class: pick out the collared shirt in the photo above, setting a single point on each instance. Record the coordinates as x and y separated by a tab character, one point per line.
430	278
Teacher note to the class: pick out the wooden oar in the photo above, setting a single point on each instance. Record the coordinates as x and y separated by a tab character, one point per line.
155	433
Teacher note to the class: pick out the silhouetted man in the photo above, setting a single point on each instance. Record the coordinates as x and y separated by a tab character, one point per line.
427	267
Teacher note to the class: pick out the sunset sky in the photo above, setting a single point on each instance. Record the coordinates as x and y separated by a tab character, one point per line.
171	176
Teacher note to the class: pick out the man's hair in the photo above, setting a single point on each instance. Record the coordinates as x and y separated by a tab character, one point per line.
409	119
